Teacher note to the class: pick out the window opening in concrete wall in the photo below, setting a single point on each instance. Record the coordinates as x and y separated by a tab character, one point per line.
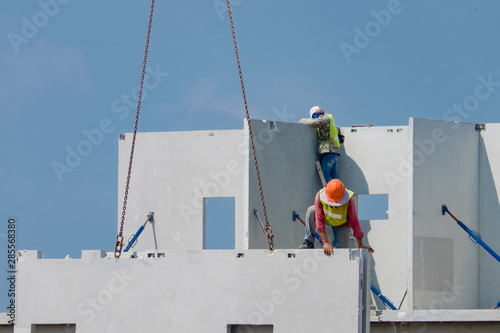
249	328
53	328
373	207
218	223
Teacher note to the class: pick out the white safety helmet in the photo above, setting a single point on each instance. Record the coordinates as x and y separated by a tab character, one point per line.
315	109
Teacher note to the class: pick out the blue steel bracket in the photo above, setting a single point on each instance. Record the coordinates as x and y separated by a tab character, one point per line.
131	242
134	238
384	299
473	235
151	217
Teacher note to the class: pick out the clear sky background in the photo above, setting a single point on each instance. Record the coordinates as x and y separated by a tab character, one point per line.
71	68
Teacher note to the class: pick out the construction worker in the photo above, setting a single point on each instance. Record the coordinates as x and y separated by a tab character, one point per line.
333	206
329	142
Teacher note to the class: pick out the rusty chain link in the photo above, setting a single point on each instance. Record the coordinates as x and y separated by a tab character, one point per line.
269	231
119	237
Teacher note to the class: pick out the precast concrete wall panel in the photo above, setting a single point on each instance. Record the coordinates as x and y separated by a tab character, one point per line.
445	172
422	257
489	214
197	291
172	174
286	154
374	160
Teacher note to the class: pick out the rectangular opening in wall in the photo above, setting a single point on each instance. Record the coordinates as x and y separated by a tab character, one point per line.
249	328
53	328
373	207
218	223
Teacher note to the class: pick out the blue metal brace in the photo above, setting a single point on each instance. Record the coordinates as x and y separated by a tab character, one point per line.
134	237
473	235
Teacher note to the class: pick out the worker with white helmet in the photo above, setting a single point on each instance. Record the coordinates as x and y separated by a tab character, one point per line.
330	139
333	206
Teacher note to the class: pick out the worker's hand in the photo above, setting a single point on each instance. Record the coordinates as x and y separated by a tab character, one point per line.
303	121
328	249
368	248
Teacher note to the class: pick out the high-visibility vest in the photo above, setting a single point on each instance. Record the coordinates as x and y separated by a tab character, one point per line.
336	215
333	131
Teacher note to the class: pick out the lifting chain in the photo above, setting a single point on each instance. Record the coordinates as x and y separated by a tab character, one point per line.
119	238
268	230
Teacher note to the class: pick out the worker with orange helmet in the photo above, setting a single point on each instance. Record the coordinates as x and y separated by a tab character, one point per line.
333	206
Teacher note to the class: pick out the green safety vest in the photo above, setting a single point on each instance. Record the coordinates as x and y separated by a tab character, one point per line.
333	132
336	215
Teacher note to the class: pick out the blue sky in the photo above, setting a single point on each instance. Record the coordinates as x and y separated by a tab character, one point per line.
70	69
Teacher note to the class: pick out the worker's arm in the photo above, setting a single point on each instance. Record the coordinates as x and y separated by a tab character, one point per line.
320	225
320	122
361	246
353	222
327	247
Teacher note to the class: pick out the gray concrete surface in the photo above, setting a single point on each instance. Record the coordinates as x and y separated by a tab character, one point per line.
423	260
196	291
489	214
287	154
172	174
445	171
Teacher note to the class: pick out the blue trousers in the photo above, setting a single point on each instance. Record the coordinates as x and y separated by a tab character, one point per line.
330	166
